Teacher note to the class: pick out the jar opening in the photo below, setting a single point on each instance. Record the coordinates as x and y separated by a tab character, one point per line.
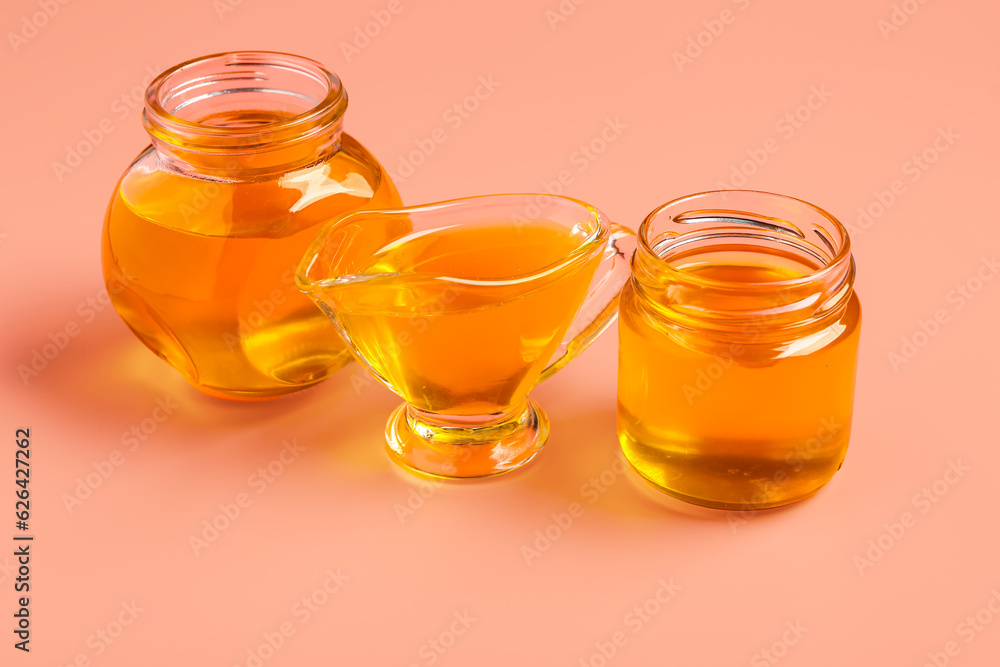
787	241
245	103
739	258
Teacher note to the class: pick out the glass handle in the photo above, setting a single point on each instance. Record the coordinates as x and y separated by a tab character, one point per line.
600	308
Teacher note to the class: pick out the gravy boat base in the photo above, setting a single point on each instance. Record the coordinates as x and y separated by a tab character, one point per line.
439	447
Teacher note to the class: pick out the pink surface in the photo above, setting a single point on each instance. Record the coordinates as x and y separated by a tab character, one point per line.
893	563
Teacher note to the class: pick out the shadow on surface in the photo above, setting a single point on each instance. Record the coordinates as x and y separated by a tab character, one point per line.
105	378
582	462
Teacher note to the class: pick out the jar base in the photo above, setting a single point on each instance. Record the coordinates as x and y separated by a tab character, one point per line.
748	506
271	392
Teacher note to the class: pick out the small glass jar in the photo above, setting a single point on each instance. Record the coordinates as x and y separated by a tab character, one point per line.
738	344
206	227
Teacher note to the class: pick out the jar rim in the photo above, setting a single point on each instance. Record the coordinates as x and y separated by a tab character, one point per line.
161	120
840	259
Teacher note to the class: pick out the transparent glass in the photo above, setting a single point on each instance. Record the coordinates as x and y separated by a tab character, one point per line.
461	307
738	341
203	233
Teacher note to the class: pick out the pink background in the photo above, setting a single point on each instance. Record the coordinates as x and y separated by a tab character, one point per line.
338	505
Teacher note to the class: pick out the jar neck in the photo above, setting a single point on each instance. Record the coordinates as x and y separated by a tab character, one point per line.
745	264
244	115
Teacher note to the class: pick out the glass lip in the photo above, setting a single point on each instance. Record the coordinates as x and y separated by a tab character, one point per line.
588	246
155	113
842	257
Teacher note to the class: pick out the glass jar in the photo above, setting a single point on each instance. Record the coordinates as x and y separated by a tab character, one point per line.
738	344
206	227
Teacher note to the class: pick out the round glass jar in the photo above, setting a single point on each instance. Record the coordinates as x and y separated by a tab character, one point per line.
206	227
738	343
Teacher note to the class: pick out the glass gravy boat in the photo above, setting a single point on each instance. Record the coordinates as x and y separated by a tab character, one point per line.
460	308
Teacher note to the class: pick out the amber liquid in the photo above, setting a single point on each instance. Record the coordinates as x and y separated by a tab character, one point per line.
735	419
455	347
203	270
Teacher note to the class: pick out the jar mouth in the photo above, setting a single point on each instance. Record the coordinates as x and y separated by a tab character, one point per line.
241	102
750	219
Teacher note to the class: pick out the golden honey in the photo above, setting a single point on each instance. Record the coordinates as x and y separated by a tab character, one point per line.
206	227
468	344
461	309
738	344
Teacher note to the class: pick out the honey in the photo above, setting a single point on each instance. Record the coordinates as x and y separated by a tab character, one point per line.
461	309
206	227
737	353
447	323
